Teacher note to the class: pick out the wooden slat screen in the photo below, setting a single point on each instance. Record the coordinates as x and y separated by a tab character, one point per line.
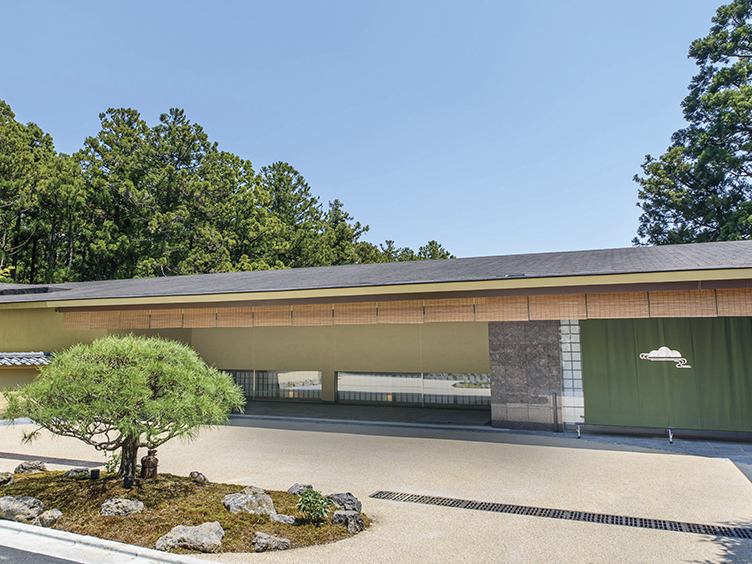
355	314
271	316
618	305
104	320
734	303
511	308
200	317
76	320
313	314
449	310
235	317
165	318
567	306
134	319
684	303
409	311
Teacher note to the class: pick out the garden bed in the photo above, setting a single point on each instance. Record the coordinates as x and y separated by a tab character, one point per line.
168	501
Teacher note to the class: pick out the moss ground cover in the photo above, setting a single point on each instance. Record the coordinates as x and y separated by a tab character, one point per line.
168	501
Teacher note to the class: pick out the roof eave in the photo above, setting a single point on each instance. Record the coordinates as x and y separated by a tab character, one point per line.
547	284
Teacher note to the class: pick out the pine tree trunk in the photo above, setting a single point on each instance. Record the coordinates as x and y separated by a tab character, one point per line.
129	452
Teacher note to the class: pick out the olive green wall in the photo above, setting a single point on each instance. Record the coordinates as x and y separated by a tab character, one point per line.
427	347
11	376
439	347
430	347
26	330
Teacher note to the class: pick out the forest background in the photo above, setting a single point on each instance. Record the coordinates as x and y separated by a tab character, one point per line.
141	201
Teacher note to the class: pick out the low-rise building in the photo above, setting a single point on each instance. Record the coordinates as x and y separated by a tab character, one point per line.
641	337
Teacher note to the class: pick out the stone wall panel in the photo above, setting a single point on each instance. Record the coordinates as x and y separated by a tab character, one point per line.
526	379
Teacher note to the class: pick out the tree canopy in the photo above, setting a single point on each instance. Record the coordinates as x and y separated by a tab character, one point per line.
124	393
139	201
699	190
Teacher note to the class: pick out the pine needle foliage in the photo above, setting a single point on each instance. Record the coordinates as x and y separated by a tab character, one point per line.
122	393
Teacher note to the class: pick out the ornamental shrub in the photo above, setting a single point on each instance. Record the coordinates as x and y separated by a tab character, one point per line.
313	505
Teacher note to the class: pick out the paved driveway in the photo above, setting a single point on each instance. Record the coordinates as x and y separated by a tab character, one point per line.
499	467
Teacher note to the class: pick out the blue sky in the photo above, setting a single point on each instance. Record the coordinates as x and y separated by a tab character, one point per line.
493	127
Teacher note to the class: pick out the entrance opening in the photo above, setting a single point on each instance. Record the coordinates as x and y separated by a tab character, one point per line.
279	384
415	388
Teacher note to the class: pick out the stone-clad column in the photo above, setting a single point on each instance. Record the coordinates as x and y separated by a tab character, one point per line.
526	377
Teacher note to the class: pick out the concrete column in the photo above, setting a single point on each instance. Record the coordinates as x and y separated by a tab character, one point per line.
328	348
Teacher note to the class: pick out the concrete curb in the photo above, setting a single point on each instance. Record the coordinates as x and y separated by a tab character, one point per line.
71	539
399	424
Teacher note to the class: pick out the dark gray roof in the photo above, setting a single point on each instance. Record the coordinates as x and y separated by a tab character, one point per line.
24	358
670	258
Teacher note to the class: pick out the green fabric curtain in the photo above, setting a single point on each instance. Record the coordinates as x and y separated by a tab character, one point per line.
620	388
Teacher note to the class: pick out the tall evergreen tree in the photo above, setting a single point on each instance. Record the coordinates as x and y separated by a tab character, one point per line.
167	201
699	190
34	181
297	213
142	201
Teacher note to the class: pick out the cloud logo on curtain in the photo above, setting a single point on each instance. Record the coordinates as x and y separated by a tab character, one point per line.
665	354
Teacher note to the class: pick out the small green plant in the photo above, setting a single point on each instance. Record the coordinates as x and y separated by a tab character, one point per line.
112	462
313	505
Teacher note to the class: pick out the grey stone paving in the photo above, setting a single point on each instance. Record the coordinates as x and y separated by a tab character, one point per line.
470	462
479	420
737	452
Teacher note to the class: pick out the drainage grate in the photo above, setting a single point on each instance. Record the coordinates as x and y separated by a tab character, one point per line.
643	523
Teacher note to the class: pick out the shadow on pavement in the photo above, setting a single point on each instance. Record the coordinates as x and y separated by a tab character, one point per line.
426	431
51	460
732	550
10	555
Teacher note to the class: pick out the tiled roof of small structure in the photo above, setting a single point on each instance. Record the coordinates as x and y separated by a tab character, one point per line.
24	358
668	258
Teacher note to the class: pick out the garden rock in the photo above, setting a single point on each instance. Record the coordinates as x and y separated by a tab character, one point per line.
206	537
30	467
346	501
75	472
296	488
48	518
252	490
263	542
285	519
351	519
198	477
6	479
21	509
256	504
120	506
